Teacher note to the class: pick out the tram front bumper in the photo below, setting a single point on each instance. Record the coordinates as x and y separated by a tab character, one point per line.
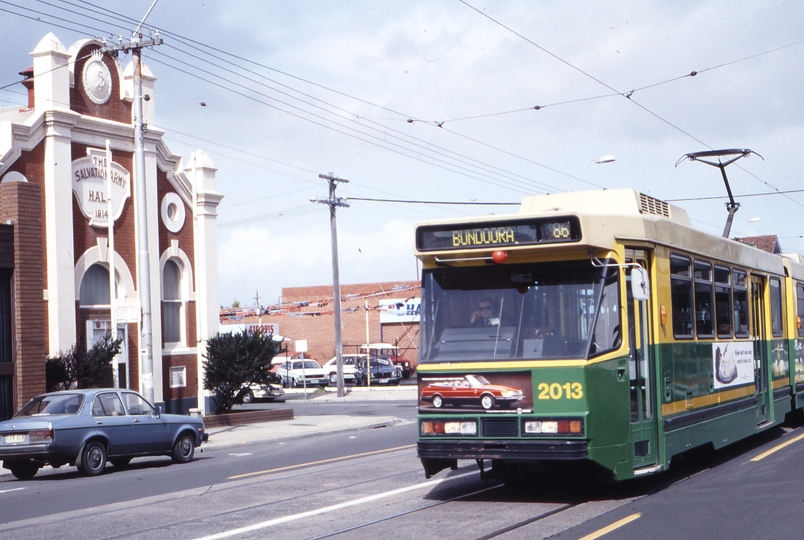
508	450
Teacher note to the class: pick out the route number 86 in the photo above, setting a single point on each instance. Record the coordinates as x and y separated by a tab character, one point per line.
560	391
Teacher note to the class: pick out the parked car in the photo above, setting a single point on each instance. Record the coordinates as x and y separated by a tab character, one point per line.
298	372
349	367
266	391
86	428
472	390
383	371
386	350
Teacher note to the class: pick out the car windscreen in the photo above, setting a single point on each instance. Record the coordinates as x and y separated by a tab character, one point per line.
552	310
47	405
308	364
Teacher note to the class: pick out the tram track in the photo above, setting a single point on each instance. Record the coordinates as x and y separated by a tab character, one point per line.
359	498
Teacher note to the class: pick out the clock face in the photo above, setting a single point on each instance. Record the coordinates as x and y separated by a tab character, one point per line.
97	81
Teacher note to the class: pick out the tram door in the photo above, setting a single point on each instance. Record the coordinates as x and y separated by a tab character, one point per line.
641	372
759	338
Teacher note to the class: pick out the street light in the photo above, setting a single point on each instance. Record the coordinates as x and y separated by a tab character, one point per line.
598	161
751	220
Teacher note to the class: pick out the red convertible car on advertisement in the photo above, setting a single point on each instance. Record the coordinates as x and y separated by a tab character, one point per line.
472	390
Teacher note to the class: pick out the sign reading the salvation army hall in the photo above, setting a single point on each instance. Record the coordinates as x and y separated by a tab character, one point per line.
91	191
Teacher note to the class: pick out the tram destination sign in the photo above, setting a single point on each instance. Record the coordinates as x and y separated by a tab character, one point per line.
517	232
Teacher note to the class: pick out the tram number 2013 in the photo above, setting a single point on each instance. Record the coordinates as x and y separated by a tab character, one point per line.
560	391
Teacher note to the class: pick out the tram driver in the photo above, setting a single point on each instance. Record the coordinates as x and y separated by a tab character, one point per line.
485	315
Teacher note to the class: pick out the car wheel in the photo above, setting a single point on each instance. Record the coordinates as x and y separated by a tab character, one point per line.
487	401
24	470
120	462
333	378
184	449
248	396
293	383
437	401
93	459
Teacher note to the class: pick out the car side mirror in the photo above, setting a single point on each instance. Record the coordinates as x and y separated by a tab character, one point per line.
158	411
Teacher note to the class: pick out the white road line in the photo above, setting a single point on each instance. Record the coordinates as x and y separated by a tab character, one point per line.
334	507
10	490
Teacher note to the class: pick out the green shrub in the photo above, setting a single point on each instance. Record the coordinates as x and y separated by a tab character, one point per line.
233	361
79	368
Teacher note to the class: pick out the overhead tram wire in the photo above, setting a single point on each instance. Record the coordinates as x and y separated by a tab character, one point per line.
627	95
717	197
499	183
121	17
544	187
294	211
465	203
205	140
692	73
382	129
208	141
50	16
205	46
123	23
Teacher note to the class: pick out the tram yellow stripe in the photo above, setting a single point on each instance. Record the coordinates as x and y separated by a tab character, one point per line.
471	366
614	526
680	406
777	448
779	383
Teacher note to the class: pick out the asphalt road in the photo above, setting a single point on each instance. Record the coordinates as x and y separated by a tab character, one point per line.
369	484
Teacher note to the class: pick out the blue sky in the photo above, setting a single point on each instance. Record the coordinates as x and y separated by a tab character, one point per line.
435	101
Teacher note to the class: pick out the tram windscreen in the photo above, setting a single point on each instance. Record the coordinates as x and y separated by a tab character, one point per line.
564	310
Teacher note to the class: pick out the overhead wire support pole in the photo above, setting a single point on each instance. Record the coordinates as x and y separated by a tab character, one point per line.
333	203
143	255
731	206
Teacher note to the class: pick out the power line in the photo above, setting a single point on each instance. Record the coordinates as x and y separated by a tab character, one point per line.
407	201
747	195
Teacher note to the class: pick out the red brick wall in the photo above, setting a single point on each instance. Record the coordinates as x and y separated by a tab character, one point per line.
22	202
115	109
315	321
191	363
186	240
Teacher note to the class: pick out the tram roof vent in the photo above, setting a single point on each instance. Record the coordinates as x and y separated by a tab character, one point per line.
649	205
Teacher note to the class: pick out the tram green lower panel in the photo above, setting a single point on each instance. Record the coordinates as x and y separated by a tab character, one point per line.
614	458
781	408
719	431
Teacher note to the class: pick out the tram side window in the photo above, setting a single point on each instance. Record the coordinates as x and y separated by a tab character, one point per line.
704	324
681	290
723	301
800	310
740	286
776	306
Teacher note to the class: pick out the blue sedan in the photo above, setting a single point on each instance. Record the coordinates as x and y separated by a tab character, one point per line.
87	428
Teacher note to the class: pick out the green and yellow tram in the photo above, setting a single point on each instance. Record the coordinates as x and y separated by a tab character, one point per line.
599	329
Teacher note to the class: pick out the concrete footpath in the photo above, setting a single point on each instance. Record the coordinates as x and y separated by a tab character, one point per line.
309	426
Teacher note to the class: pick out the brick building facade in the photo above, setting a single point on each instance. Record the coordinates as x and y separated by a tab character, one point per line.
306	313
57	264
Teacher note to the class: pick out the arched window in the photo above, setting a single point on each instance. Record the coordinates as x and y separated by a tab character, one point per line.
172	304
95	286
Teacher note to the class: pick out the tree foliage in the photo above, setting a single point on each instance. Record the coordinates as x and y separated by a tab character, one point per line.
79	368
233	361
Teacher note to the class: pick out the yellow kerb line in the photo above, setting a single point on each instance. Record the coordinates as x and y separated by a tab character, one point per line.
772	450
331	460
612	527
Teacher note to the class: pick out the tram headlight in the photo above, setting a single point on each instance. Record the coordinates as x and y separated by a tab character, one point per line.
430	428
568	426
